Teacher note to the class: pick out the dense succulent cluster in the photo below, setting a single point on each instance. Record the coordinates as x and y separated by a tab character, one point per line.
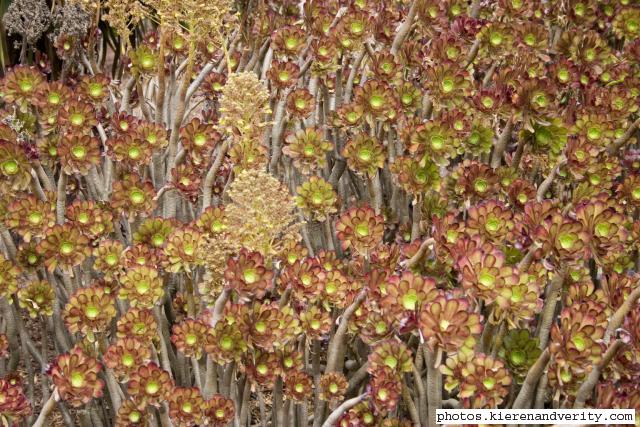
317	213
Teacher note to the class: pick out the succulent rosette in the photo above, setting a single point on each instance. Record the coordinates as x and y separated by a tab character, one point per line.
404	294
225	343
361	414
517	298
137	323
298	386
154	231
576	344
52	95
300	103
291	359
212	85
385	392
374	325
132	413
409	96
432	141
131	151
361	229
626	24
189	337
142	286
308	149
336	287
212	221
151	384
133	196
377	100
349	115
392	357
89	310
144	59
484	271
563	238
154	134
38	298
605	222
199	139
219	410
447	322
483	381
184	250
415	178
317	198
28	257
263	369
629	189
316	322
9	273
93	219
490	219
247	274
520	192
75	375
78	153
15	405
14	168
476	180
283	74
186	406
448	83
21	84
125	355
289	40
364	155
30	217
78	117
597	129
333	386
63	246
520	351
551	137
95	87
305	278
122	123
108	257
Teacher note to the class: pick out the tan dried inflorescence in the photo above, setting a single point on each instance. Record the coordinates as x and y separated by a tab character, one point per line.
261	213
197	19
244	104
123	15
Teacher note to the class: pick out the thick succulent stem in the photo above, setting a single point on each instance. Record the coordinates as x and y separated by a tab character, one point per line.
46	409
332	419
618	143
211	175
523	400
335	348
434	389
501	144
178	117
404	28
61	198
585	390
410	404
546	319
618	317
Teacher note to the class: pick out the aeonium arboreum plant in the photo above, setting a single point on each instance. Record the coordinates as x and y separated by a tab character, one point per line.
329	214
